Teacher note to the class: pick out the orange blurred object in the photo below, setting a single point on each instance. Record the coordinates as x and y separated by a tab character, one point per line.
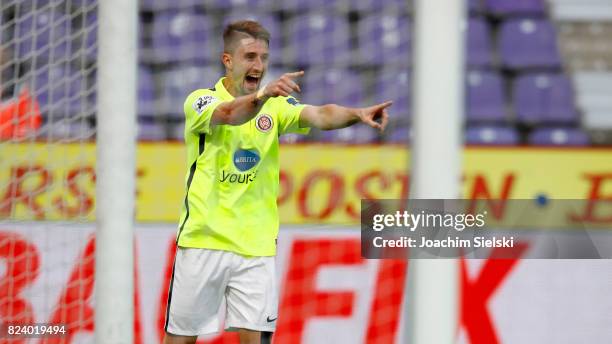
19	117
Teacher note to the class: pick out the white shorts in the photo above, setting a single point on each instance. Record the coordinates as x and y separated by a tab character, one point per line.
202	279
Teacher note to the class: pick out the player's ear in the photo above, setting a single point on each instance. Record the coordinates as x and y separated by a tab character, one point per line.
226	58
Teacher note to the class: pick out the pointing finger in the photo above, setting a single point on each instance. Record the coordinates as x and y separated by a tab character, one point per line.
384	105
295	74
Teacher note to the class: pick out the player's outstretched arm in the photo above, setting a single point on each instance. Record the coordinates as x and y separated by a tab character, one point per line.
332	116
243	109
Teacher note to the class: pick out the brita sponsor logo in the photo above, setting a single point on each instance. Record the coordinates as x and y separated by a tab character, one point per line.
245	160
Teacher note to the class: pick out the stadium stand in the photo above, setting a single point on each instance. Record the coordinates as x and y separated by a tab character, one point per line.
491	135
515	74
584	35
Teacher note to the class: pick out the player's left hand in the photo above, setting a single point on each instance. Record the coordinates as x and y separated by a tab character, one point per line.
376	116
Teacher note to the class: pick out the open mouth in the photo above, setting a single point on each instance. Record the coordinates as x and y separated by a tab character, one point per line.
252	80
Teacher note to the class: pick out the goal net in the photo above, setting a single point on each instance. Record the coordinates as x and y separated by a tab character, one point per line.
47	166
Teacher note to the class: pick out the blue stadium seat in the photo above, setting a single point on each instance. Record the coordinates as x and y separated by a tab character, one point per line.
479	52
491	135
544	98
269	21
395	84
43	35
384	39
559	136
183	36
485	96
339	86
318	39
513	7
528	43
179	82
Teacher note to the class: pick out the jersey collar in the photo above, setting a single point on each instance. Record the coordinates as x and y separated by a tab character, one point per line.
219	87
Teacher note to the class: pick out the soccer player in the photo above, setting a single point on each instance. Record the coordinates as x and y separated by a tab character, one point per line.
229	223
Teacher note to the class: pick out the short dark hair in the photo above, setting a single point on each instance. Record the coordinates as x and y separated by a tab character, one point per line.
236	30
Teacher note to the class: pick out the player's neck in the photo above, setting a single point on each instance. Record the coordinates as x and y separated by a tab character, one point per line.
230	86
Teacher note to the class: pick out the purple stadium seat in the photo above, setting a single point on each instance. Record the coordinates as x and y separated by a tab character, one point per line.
339	86
478	43
146	92
177	131
60	90
80	4
400	134
183	36
292	138
384	39
396	85
31	4
559	137
178	83
491	135
270	22
317	39
151	131
505	7
299	6
251	5
67	130
485	96
43	35
544	98
389	6
157	5
87	35
474	6
528	43
356	134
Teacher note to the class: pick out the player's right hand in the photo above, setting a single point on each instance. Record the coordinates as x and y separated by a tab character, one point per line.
283	86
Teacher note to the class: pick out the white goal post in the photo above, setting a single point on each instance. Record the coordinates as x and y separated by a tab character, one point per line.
116	162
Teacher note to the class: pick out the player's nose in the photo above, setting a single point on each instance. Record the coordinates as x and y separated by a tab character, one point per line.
258	65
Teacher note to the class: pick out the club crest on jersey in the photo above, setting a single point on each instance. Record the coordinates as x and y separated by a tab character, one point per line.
245	159
264	122
202	102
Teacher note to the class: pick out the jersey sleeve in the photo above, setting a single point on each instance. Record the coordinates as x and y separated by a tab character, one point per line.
288	110
199	107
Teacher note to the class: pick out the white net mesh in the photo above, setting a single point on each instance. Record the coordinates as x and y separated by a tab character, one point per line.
47	165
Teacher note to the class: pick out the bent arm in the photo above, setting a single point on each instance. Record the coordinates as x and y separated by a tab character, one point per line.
243	109
238	111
